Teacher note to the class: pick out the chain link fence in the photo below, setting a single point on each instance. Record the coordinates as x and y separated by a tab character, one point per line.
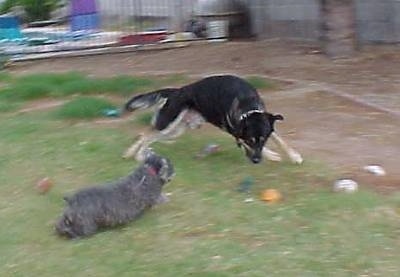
92	24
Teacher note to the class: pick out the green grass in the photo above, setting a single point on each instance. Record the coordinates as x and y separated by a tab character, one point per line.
36	86
8	107
261	83
206	229
17	90
144	118
84	108
4	76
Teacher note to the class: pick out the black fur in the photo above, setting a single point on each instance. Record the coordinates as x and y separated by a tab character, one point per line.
117	203
225	101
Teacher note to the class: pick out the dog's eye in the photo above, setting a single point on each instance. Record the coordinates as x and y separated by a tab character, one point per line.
67	221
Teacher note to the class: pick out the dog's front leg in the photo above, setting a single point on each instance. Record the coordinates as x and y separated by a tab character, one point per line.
293	155
89	229
271	155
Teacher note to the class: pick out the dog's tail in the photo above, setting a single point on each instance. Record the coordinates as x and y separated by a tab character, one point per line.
146	100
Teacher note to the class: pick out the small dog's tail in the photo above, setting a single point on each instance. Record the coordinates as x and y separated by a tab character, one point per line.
146	100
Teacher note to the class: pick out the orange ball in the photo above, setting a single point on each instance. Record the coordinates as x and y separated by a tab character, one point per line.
271	195
44	185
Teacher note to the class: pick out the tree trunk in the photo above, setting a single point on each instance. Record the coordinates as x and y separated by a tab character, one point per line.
338	28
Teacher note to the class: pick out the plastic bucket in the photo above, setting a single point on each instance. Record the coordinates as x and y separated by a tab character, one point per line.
217	29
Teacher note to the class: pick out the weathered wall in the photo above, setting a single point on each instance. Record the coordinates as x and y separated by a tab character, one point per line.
286	18
375	20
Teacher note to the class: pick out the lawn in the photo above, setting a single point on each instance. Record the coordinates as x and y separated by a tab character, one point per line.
207	228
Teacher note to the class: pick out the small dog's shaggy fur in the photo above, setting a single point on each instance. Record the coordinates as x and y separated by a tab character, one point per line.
116	203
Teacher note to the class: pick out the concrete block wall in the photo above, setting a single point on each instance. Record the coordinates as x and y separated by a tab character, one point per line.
286	18
298	19
378	21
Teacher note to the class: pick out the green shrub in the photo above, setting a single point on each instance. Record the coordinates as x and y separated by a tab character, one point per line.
35	9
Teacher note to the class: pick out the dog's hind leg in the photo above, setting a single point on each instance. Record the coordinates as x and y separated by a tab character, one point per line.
144	147
293	155
175	129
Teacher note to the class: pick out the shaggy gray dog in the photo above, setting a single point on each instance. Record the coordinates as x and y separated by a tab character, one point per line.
116	203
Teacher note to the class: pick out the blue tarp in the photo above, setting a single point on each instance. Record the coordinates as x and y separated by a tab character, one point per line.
84	16
8	22
9	28
84	22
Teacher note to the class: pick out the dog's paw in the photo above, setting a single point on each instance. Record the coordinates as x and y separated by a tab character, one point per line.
296	158
163	198
128	154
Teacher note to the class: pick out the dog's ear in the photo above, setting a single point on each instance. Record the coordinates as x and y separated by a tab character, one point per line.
277	117
273	117
166	171
148	154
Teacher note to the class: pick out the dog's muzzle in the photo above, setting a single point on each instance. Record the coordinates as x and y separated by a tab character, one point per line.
253	155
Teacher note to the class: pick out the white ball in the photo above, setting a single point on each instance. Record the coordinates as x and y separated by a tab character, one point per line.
375	169
345	185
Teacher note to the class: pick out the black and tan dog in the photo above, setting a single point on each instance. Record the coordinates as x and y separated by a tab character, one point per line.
226	101
118	203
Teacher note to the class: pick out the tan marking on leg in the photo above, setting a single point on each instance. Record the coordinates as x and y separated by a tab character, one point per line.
175	129
133	149
271	155
293	155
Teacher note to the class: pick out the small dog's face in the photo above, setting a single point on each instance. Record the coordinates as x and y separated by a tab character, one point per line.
162	166
65	226
255	132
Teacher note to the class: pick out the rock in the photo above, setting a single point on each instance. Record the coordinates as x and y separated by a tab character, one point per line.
249	200
208	150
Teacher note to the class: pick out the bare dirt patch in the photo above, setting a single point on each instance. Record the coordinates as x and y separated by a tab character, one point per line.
322	125
42	104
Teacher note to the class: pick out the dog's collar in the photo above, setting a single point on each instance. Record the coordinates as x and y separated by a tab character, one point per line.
248	113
